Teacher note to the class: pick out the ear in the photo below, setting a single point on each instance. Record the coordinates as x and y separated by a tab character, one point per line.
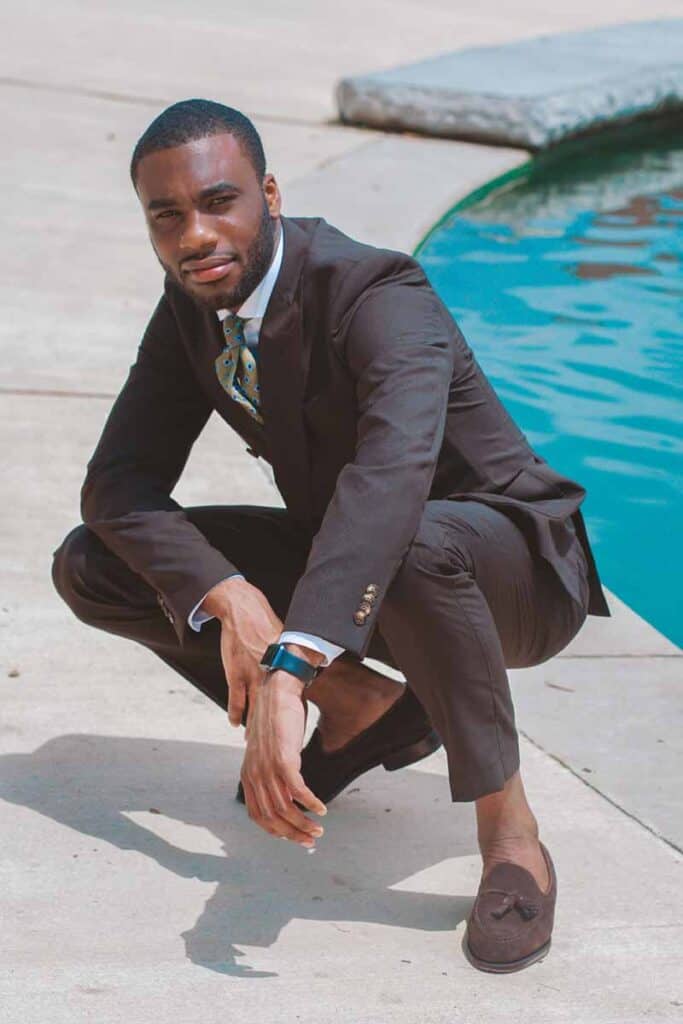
272	195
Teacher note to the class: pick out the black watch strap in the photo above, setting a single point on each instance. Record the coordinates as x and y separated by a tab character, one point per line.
278	658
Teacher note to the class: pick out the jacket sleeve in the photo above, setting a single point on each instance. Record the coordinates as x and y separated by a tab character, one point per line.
399	348
145	444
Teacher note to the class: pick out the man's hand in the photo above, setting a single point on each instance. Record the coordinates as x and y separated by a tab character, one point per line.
271	770
248	625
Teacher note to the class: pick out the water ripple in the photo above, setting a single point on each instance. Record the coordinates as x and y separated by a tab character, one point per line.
569	289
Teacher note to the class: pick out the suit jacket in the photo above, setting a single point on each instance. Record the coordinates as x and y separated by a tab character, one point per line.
373	403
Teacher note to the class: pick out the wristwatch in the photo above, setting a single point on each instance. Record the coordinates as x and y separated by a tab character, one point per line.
277	658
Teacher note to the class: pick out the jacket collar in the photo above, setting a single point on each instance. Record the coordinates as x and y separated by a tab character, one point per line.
284	357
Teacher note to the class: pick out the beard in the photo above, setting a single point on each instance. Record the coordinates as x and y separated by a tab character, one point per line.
257	261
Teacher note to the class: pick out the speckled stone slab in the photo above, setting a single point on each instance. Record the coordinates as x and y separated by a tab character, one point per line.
531	93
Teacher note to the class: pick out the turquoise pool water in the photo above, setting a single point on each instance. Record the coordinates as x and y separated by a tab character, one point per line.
568	284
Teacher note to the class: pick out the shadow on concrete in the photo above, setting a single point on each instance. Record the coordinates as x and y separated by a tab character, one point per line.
379	833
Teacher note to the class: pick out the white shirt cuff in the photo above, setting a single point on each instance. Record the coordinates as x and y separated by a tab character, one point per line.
196	618
315	643
330	651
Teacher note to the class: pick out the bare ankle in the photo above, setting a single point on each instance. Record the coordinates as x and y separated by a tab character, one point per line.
507	831
506	814
507	840
350	698
346	683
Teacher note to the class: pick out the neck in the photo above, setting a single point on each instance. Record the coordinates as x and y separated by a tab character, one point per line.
276	242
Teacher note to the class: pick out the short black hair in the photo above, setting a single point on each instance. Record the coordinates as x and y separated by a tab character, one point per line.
196	119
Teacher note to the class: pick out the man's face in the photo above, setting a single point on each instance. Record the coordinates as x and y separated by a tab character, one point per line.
212	222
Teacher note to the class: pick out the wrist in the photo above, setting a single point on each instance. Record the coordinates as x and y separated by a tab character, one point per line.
220	599
283	682
278	658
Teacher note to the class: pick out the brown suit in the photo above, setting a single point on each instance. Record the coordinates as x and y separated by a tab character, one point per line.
375	411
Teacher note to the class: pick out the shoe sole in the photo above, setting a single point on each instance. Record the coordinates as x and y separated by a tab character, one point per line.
401	758
510	966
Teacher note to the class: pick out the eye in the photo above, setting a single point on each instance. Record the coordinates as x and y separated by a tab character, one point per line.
220	200
166	214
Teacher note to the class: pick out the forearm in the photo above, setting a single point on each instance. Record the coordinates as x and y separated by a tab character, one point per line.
126	496
170	553
399	348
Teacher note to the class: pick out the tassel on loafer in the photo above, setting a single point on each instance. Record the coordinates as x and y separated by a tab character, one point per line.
402	736
511	921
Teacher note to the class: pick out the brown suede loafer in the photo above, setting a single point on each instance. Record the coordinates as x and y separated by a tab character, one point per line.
512	920
402	736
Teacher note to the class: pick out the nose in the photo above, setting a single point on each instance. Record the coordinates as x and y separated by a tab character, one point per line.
198	234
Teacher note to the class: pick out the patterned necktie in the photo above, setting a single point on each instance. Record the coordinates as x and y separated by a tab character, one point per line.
236	367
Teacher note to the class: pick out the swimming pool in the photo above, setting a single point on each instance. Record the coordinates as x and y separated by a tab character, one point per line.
566	279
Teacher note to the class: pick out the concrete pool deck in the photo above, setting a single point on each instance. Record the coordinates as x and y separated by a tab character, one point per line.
134	889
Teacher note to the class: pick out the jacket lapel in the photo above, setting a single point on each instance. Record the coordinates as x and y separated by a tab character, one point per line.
284	356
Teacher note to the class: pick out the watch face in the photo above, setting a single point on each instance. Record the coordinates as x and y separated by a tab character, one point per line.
268	654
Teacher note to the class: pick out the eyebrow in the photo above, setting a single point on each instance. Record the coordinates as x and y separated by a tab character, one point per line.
206	193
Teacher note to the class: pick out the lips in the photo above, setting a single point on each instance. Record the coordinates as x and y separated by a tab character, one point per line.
206	271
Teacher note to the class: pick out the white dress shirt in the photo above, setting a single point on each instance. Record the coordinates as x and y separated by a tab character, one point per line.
253	310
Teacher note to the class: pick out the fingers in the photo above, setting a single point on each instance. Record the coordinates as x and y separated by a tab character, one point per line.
289	813
237	701
272	809
300	791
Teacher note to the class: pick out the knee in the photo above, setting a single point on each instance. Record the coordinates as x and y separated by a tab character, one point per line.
436	551
70	568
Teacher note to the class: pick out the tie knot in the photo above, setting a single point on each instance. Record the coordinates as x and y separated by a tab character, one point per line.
233	327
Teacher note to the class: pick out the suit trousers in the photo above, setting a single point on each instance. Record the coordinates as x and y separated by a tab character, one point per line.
469	599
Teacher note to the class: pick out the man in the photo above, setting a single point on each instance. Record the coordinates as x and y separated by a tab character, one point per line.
420	528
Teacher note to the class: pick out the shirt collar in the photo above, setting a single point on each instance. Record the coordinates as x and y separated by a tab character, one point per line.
255	305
